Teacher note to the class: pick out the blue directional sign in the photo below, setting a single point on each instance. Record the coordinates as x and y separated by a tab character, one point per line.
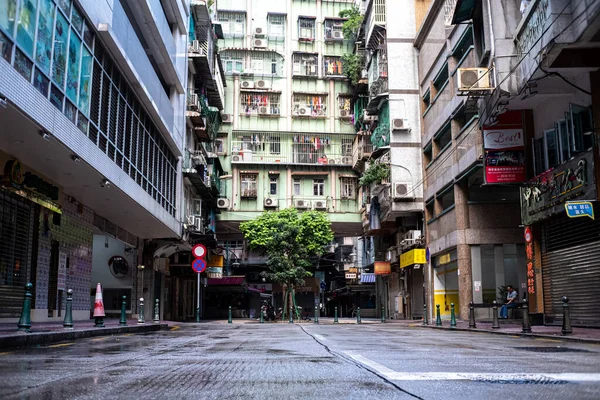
323	286
199	265
579	209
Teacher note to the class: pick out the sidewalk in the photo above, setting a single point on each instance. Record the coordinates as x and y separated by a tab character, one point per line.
51	332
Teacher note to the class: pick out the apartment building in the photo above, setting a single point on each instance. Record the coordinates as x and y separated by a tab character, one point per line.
286	138
93	96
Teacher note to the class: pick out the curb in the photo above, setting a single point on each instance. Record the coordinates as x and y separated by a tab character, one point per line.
40	338
520	334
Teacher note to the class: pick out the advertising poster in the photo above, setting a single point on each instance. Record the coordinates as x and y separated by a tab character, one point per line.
504	150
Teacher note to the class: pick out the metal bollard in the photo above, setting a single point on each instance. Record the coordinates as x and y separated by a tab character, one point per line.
316	315
438	318
358	315
452	316
25	320
291	321
68	322
123	320
425	321
262	317
383	315
526	322
229	321
335	318
566	326
156	318
472	323
495	323
141	318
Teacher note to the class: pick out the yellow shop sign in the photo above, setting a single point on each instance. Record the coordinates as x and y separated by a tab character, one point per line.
414	256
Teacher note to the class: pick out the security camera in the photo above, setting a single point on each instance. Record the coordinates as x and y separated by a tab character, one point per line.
105	183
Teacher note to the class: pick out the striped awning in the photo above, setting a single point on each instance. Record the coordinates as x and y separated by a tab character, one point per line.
367	278
226	280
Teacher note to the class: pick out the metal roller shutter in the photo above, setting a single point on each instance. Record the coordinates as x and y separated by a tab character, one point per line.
571	267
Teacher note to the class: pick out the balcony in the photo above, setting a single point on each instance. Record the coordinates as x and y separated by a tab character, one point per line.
254	147
375	21
361	150
193	112
202	175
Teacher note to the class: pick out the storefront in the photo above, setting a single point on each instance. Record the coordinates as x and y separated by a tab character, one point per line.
412	263
445	281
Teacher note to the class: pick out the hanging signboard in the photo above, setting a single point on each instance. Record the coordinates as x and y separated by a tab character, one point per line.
504	149
383	268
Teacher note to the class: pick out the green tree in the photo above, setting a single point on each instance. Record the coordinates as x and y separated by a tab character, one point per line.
352	24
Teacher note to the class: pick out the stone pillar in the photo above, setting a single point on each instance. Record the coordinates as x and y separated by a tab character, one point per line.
465	281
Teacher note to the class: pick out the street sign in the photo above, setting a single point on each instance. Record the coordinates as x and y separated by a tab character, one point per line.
199	251
579	209
199	265
323	286
528	237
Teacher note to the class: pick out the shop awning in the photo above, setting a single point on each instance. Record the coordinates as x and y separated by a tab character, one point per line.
226	280
367	278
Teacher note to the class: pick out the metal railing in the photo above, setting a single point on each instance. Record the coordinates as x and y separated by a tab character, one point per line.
376	17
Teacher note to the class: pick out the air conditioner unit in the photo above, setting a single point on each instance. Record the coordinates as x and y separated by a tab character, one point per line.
346	160
338	35
263	84
226	118
402	191
223	203
260	43
320	205
263	110
369	118
302	204
400	124
344	113
412	236
198	223
194	101
473	79
270	202
259	32
237	158
303	111
247	85
331	161
195	46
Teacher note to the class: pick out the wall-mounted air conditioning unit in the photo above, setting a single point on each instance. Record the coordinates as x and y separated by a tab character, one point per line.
304	111
301	203
259	32
237	158
226	118
223	203
260	43
338	35
369	118
344	113
195	46
270	202
263	84
400	124
346	160
412	236
198	223
402	191
247	84
263	110
320	205
331	161
474	79
193	102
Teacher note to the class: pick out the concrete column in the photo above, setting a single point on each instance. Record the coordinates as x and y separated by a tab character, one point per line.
248	24
289	187
332	189
332	105
289	69
465	281
236	102
234	187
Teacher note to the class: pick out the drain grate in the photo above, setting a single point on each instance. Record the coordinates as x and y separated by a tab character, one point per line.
555	349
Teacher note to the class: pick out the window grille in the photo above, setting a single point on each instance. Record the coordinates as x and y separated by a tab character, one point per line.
348	188
233	61
333	29
248	185
306	29
305	64
273	186
332	66
260	103
233	23
276	26
309	105
318	187
344	106
347	146
297	187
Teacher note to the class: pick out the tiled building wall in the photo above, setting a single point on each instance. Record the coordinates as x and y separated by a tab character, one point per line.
75	235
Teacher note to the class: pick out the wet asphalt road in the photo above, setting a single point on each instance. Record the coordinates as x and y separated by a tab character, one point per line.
282	361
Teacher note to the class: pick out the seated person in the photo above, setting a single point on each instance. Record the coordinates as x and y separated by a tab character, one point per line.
511	302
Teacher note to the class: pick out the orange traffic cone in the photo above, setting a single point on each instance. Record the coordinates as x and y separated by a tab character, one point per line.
99	308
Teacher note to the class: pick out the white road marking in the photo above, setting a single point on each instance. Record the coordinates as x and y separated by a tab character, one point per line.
473	376
319	337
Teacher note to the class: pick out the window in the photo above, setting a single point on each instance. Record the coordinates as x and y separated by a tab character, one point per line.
233	61
257	64
463	117
276	25
347	146
538	155
429	210
440	81
446	199
332	66
309	105
248	185
348	188
463	45
479	34
297	187
233	23
332	29
259	103
306	29
428	154
426	101
318	187
344	105
274	144
305	64
551	149
273	185
443	138
582	128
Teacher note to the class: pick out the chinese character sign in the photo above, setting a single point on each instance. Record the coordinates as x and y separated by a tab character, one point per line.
529	261
504	148
577	209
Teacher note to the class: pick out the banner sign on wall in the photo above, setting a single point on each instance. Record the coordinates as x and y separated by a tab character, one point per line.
382	268
504	149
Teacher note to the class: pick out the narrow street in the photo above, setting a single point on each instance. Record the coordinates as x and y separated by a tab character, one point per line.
220	361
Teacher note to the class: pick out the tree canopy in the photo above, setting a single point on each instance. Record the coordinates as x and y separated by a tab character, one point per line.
289	239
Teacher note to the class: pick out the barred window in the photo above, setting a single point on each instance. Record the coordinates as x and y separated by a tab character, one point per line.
332	66
344	104
306	29
260	103
333	29
309	105
348	188
276	25
318	187
233	61
248	185
233	23
305	64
